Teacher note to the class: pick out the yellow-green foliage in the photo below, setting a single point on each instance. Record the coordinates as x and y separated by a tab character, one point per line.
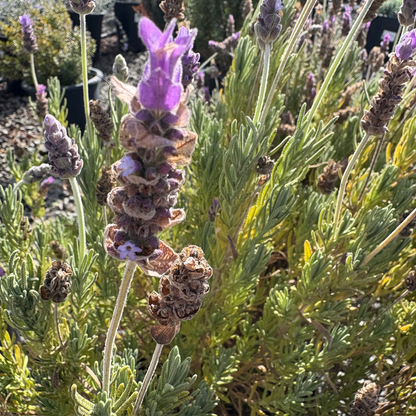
59	46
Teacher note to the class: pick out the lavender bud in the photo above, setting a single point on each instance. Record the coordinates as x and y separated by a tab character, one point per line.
268	26
29	38
82	6
385	44
346	21
214	209
120	68
63	152
36	173
230	29
407	12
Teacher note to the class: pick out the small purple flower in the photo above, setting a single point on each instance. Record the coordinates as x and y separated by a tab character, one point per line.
129	249
190	59
213	209
311	77
29	38
406	46
47	182
128	165
41	89
2	272
346	21
160	88
385	44
325	26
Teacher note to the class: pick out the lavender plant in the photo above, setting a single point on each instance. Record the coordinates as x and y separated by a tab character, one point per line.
290	281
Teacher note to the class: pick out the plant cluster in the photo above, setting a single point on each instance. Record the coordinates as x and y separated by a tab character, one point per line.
263	229
58	45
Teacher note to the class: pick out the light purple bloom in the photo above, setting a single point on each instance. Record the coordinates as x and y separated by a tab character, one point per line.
160	88
190	59
325	26
385	44
29	38
406	46
311	77
41	89
128	165
2	272
130	250
47	182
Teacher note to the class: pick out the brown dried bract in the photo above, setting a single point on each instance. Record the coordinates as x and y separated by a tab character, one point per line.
57	282
328	179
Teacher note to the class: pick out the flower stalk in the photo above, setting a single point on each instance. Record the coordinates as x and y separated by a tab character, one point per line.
33	71
391	237
345	178
263	84
80	215
84	62
148	378
56	318
115	322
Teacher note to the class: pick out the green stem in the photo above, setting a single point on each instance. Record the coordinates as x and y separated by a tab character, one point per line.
80	215
115	322
33	71
338	58
56	316
391	237
306	11
85	74
397	38
345	178
17	186
263	83
148	378
207	61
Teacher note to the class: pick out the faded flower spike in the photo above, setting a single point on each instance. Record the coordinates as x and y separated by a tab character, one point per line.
366	400
57	282
104	185
410	281
230	28
328	179
156	143
407	12
268	27
63	152
120	68
102	120
346	21
397	74
180	294
36	173
173	9
29	38
82	6
227	46
41	102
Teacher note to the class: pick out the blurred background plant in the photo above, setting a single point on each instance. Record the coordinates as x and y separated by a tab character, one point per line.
59	45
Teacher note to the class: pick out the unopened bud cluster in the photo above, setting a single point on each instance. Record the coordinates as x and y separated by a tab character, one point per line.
36	173
268	27
29	38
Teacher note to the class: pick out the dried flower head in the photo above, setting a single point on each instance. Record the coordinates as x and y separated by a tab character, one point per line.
104	186
102	120
397	74
372	12
57	282
180	294
41	102
29	38
265	165
247	8
366	400
36	173
328	179
336	7
408	230
268	27
376	59
63	152
58	250
173	9
120	68
410	281
82	6
407	12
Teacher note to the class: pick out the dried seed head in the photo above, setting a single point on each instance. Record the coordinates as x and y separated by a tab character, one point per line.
102	120
383	105
58	250
36	173
57	282
410	281
408	230
366	400
265	165
336	7
82	6
173	9
372	11
376	59
248	8
180	293
407	12
327	180
104	186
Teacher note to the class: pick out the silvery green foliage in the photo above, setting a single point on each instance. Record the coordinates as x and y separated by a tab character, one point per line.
294	321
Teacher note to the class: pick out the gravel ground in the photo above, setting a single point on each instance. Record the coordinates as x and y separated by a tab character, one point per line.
21	132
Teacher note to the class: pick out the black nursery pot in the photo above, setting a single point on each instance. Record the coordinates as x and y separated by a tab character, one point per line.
94	26
129	20
74	95
377	27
